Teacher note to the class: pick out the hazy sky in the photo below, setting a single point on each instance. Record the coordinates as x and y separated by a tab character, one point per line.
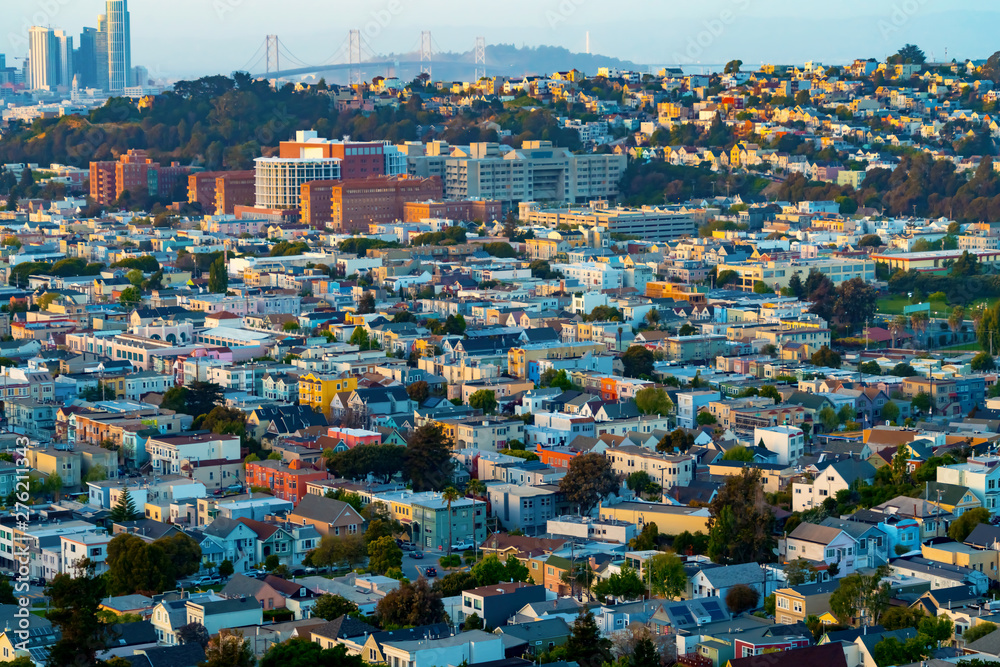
181	38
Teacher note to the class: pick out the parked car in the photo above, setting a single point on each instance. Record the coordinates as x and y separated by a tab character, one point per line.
464	545
207	580
408	546
417	554
431	572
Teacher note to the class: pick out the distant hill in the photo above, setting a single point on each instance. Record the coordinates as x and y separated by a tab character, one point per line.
508	60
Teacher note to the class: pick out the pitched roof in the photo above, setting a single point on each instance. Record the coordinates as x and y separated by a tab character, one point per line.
826	655
811	532
343	626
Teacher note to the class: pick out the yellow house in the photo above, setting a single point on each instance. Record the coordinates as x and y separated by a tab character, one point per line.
952	498
317	391
669	519
957	553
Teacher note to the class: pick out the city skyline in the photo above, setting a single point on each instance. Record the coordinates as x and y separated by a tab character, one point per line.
227	33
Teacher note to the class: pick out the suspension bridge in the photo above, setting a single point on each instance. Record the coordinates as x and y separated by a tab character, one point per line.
274	60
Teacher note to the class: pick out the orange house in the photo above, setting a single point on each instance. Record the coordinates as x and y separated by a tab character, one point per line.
609	389
285	482
557	458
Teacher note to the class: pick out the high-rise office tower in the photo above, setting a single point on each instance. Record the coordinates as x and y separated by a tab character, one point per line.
119	45
42	59
64	58
85	61
101	53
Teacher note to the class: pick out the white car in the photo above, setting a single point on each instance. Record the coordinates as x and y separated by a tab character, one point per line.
207	580
462	546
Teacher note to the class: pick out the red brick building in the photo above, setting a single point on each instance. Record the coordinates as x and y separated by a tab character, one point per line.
286	482
484	210
357	203
358	160
316	205
102	182
220	192
232	189
134	172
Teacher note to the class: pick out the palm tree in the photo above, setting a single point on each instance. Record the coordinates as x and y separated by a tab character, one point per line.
898	324
450	495
955	321
475	488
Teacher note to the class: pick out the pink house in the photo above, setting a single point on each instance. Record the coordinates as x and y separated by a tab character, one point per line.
352	437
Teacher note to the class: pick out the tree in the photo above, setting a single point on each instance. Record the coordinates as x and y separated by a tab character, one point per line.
229	650
450	495
897	618
741	522
271	563
366	304
588	480
7	592
124	509
585	644
136	566
472	622
333	606
641	483
921	402
668	576
97	473
903	370
988	329
489	571
909	54
862	596
383	555
412	604
453	584
638	361
705	418
193	633
799	571
739	453
485	400
300	652
624	585
870	368
645	654
890	411
856	302
419	391
73	604
653	401
983	362
427	461
770	391
829	418
183	553
824	356
978	631
961	527
741	598
218	276
130	296
870	241
226	568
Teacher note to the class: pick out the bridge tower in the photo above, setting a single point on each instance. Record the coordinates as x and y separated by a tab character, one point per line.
273	57
354	57
480	58
426	52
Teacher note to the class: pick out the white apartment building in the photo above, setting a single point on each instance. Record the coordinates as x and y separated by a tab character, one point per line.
788	442
278	181
538	171
594	275
981	474
92	546
667	471
211	458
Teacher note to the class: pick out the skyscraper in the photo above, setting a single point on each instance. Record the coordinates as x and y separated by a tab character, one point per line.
119	45
101	53
42	70
85	61
64	58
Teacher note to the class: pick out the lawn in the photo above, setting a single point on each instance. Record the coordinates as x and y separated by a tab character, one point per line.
893	305
964	347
